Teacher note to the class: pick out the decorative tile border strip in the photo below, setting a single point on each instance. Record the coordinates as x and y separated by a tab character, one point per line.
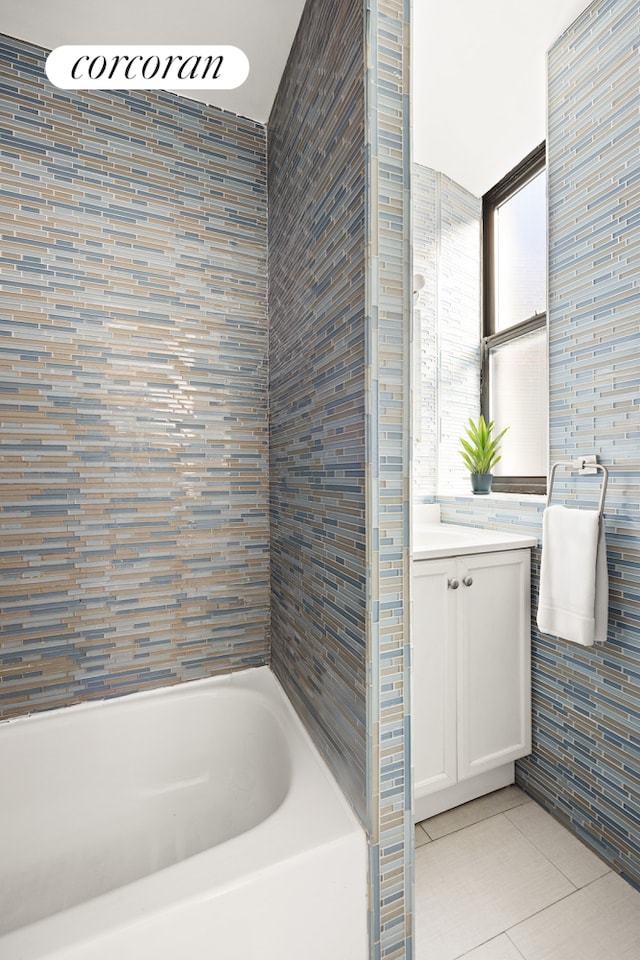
388	319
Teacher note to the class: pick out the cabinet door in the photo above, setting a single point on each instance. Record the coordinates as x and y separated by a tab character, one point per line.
494	671
433	692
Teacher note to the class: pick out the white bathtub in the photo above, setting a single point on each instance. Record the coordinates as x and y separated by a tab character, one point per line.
195	821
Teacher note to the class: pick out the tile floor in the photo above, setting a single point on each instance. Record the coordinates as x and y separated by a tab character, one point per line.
500	879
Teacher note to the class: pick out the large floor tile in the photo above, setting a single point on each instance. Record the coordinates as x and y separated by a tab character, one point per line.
599	922
474	811
500	948
475	884
565	850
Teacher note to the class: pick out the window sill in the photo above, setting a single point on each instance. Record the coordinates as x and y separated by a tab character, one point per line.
493	497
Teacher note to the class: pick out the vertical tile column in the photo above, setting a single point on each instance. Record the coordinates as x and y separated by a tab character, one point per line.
388	293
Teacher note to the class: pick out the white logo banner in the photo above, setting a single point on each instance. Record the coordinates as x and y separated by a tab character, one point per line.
130	67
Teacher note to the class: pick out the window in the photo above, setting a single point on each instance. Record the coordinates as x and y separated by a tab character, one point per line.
514	356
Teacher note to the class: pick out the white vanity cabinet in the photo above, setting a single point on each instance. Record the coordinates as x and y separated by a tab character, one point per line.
471	694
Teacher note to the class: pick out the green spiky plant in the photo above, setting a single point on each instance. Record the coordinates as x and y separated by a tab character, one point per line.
480	451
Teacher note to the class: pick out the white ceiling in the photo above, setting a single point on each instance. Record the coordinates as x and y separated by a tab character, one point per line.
264	29
478	67
479	83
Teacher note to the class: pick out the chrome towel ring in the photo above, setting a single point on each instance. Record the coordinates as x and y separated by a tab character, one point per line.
580	465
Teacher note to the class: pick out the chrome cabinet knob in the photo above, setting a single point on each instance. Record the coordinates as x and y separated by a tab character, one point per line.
453	584
467	581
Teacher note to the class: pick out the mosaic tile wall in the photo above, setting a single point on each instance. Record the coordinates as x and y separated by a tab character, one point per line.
446	249
585	765
587	760
317	356
340	508
133	381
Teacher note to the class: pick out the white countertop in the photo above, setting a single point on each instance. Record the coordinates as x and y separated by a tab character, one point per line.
434	540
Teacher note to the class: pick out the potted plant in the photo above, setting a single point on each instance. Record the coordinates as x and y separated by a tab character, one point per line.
480	453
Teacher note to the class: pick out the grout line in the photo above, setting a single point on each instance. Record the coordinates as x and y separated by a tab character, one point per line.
483	943
537	913
574	837
465	826
543	854
427	839
547	906
564	820
515	947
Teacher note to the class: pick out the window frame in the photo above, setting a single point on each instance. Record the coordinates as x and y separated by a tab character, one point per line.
525	171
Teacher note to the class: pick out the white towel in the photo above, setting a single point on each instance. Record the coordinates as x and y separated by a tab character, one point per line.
574	585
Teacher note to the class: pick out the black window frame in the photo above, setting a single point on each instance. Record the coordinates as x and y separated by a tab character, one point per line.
525	171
